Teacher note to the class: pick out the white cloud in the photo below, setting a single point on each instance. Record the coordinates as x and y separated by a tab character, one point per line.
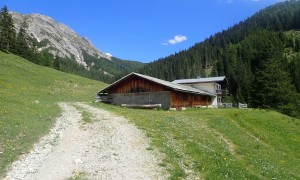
175	40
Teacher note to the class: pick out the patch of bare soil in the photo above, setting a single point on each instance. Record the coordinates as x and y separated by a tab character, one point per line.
107	148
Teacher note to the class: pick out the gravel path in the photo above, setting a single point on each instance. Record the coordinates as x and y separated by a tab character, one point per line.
107	148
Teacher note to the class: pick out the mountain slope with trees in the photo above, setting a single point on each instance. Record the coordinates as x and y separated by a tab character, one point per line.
260	56
46	42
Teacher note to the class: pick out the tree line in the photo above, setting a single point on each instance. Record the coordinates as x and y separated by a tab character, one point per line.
20	43
260	57
13	42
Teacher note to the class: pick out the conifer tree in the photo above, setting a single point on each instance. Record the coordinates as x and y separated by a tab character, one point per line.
21	42
56	63
7	31
272	85
214	71
297	45
295	72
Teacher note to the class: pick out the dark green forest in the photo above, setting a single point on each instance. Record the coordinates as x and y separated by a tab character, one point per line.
260	56
22	44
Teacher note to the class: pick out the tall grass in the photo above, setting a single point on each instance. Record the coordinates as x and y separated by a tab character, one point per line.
222	143
28	102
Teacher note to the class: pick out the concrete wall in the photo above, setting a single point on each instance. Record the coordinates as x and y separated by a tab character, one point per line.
208	87
214	102
163	98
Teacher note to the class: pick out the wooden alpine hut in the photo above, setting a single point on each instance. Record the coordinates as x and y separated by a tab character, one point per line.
137	89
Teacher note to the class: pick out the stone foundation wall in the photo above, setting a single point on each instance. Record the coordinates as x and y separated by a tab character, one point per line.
163	98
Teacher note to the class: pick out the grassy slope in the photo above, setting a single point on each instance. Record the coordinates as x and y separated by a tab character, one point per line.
222	143
215	144
28	102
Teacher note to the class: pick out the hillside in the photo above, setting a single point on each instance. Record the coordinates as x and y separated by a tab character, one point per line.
221	143
76	54
29	95
58	38
241	53
206	143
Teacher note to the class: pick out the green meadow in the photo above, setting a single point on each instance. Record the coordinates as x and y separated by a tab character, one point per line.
205	143
29	94
221	143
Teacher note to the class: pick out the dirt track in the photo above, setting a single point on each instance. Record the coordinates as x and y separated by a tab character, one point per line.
107	148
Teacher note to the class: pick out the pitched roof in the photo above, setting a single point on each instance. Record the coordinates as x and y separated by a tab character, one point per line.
200	80
176	87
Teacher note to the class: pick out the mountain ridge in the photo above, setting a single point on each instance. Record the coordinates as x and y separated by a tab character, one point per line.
73	53
65	41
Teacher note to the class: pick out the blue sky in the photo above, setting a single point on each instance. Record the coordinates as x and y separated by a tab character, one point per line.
143	30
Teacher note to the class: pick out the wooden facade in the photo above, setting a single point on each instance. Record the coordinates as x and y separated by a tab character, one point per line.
133	84
181	99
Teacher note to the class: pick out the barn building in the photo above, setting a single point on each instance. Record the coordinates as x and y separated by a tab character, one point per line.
213	85
138	89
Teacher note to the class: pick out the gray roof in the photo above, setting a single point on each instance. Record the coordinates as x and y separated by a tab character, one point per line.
200	80
177	87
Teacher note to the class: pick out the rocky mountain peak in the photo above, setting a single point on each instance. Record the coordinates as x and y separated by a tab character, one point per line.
57	38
